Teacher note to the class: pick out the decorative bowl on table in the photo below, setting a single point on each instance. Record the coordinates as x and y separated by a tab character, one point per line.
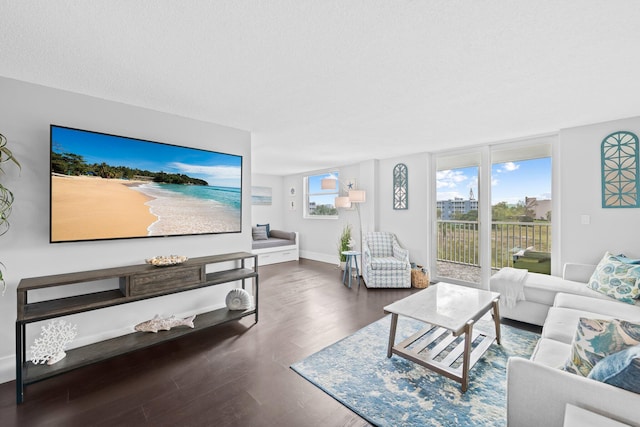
165	261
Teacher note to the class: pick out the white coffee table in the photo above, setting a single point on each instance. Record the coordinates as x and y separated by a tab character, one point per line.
450	311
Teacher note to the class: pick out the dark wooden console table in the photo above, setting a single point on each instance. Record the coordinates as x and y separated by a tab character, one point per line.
136	282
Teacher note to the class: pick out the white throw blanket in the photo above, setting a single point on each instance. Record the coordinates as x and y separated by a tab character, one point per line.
510	283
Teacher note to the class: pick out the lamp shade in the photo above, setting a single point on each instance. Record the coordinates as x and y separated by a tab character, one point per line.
357	196
342	202
328	183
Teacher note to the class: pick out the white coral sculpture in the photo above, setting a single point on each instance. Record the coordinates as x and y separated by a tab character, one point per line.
49	347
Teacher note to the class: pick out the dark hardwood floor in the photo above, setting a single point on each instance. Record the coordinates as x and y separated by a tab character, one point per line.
231	375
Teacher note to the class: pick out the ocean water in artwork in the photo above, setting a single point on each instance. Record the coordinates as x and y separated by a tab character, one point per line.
191	209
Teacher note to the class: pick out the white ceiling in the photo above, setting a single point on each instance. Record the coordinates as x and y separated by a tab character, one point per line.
330	82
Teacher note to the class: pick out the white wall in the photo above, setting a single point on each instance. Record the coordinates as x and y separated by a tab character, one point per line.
26	112
577	185
411	225
272	214
319	236
615	230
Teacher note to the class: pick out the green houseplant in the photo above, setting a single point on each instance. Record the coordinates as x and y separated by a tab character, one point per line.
345	243
6	196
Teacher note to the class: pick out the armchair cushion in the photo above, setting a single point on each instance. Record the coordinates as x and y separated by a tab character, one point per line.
380	244
400	253
387	263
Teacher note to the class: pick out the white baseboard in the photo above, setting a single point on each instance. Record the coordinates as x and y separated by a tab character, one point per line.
7	369
316	256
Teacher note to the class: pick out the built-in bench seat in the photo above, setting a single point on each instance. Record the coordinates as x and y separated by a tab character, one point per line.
279	246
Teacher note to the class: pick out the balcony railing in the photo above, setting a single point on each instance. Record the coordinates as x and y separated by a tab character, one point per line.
458	241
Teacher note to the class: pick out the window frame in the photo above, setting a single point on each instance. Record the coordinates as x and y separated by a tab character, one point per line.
309	194
515	150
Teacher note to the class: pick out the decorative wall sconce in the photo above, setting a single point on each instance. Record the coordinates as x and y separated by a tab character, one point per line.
400	187
620	173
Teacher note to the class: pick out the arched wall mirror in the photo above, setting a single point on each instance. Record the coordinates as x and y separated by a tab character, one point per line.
620	180
400	187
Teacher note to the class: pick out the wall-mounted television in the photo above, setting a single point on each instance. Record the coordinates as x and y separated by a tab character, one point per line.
113	187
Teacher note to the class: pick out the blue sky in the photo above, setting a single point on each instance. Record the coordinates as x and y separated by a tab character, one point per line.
510	182
314	187
216	168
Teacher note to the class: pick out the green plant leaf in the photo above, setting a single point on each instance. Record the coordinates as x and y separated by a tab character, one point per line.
6	154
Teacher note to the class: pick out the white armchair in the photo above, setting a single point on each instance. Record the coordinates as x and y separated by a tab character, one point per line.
385	264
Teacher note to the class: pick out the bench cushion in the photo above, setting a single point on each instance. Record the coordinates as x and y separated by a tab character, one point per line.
271	243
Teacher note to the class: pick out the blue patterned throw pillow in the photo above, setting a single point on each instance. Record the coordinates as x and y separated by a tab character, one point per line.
617	277
621	369
596	339
267	226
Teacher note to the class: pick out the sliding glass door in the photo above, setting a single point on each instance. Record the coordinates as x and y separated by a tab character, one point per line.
493	209
521	208
458	245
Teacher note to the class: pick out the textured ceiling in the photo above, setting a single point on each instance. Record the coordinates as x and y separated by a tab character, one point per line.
330	82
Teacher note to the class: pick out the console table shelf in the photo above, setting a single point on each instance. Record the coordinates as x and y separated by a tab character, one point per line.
93	353
136	283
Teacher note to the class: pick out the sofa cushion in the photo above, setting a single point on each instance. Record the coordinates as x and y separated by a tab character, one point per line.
388	263
561	323
542	288
617	278
259	233
606	306
621	369
551	352
595	339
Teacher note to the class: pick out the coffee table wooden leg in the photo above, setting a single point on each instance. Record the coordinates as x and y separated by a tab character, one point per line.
392	333
466	357
496	318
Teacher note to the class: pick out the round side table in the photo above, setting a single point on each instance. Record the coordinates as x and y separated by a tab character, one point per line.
352	259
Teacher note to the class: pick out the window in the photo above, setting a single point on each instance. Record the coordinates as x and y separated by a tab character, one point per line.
320	203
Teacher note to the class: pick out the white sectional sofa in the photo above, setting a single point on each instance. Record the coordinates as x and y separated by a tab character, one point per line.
538	391
540	290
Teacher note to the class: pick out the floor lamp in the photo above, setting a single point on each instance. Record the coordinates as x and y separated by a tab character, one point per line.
354	197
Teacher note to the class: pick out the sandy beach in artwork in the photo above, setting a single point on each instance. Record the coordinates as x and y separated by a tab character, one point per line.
95	208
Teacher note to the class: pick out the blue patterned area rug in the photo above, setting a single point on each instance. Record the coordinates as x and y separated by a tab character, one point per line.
397	392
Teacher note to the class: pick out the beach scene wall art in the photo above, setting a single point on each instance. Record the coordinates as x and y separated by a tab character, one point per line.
112	187
261	195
